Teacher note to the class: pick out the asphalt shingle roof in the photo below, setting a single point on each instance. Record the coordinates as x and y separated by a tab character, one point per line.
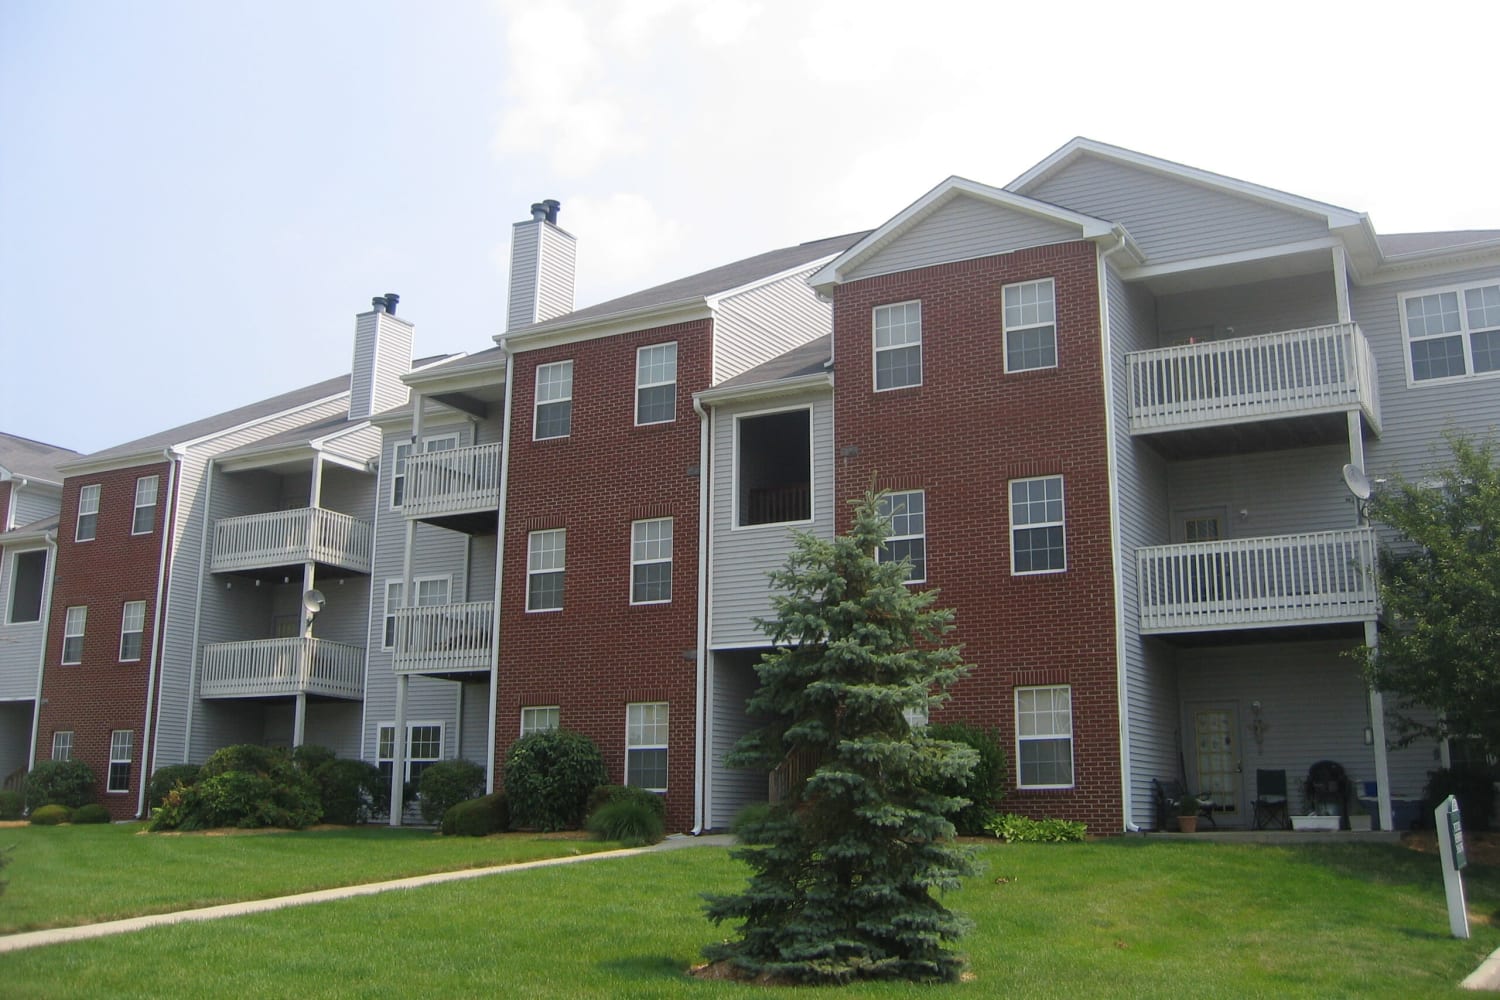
24	457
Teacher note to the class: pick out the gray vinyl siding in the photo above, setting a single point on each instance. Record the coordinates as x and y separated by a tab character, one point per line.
732	680
524	253
348	492
472	739
28	503
555	282
362	445
1409	765
1247	310
964	228
1172	219
741	557
20	642
757	325
1266	493
382	354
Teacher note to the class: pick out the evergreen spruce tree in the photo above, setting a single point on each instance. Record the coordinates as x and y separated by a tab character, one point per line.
845	868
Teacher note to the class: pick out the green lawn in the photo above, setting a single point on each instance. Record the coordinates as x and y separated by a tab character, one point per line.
1117	918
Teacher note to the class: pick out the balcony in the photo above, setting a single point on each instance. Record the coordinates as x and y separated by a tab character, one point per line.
1307	579
444	638
451	487
263	668
290	537
1309	377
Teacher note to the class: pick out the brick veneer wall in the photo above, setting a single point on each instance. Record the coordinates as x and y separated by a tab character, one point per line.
5	487
600	652
961	436
101	694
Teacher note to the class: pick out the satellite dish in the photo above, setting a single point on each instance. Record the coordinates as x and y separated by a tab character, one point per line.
1356	480
313	601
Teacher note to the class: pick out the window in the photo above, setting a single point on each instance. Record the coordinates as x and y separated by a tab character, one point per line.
1044	736
144	517
646	745
539	720
73	626
898	345
656	384
424	747
446	442
28	574
773	468
907	512
1030	326
431	591
554	401
1036	526
62	745
546	562
88	513
119	760
132	627
651	561
1453	333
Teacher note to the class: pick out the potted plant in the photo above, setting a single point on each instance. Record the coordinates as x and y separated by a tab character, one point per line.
1187	813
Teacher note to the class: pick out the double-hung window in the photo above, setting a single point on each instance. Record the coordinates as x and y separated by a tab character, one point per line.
646	745
546	565
1044	736
74	622
132	629
402	452
554	401
143	518
431	592
88	513
1453	333
424	747
28	574
1036	526
1030	326
898	345
907	512
120	744
539	719
651	561
62	744
656	384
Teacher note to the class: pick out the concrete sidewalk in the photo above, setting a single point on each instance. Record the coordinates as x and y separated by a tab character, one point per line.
58	935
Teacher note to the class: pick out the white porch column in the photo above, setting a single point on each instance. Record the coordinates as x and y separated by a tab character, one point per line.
398	752
1341	284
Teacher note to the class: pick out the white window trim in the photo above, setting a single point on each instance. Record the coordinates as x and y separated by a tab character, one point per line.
812	469
1072	738
537	402
531	572
124	632
876	349
625	776
390	724
67	744
540	708
416	585
83	625
1007	330
135	511
93	491
398	471
109	774
1014	527
907	538
1464	334
634	562
10	588
639	385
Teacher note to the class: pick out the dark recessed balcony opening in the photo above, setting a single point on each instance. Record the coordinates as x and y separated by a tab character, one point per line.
775	468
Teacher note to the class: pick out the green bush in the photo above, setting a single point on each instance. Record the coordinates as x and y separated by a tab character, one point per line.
631	821
243	786
986	785
477	817
351	791
167	778
603	795
1021	830
310	757
1473	787
756	824
447	783
11	804
91	813
63	782
50	815
548	778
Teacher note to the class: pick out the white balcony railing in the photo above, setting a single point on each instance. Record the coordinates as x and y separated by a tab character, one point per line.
284	537
444	638
266	667
456	481
1323	369
1320	577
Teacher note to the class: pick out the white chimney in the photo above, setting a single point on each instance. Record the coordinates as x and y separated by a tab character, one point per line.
541	268
382	354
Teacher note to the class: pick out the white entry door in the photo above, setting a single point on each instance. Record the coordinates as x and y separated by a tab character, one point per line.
1216	756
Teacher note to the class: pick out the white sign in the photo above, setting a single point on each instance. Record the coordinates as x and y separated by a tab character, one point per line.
1450	838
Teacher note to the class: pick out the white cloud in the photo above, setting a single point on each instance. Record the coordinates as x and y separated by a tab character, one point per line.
622	239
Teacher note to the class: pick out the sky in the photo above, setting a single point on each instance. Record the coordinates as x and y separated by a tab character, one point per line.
197	198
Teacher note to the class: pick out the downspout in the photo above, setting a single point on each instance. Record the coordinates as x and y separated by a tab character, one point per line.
701	758
174	459
489	762
203	577
41	664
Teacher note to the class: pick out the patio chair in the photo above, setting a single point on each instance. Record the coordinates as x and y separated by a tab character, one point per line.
1270	805
1168	794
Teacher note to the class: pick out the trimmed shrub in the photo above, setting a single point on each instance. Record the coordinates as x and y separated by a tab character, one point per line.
985	786
11	804
50	815
447	783
63	782
477	817
310	756
352	791
1021	830
631	821
244	786
1473	787
604	795
167	778
548	778
91	813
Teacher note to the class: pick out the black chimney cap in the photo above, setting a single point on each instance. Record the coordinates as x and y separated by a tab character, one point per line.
378	302
391	298
552	205
538	211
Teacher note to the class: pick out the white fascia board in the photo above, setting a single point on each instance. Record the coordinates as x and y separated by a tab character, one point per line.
10	474
613	325
17	537
1221	260
833	273
1337	217
761	390
489	372
715	300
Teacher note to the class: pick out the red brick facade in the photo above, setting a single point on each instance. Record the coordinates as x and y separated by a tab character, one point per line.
600	652
961	436
101	694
